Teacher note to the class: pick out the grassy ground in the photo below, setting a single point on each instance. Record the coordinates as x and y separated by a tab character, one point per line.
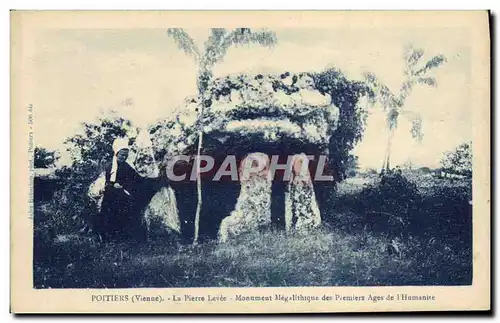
344	252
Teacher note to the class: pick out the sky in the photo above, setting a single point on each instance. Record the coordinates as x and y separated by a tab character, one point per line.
143	75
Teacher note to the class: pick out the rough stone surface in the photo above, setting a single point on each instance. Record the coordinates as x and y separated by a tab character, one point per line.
302	210
252	210
294	111
163	208
254	202
301	206
272	108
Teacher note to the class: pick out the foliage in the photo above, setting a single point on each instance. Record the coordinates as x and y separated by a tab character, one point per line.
45	158
216	47
388	205
459	161
219	41
70	210
92	147
428	207
371	171
309	111
392	204
352	166
435	250
415	73
346	95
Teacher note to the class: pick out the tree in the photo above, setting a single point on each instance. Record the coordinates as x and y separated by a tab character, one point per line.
352	165
45	158
459	161
216	47
345	95
93	145
328	110
415	73
91	152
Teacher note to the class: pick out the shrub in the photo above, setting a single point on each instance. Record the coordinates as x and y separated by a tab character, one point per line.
389	205
459	161
70	211
45	158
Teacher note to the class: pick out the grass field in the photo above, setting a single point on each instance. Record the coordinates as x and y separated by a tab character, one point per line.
345	251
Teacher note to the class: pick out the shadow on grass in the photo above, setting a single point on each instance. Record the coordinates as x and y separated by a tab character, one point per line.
351	249
320	258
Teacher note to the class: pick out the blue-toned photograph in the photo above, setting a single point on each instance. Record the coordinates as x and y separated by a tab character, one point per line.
252	157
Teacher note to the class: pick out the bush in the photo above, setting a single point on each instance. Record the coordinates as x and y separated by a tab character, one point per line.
388	205
459	161
45	158
69	211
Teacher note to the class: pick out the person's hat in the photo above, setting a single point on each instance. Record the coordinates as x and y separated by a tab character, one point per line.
119	144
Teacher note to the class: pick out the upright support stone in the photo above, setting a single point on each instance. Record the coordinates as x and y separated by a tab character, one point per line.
253	207
301	207
163	207
275	113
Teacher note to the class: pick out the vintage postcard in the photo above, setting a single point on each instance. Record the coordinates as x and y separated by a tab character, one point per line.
250	162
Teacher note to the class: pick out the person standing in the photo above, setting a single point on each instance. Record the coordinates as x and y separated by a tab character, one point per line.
125	194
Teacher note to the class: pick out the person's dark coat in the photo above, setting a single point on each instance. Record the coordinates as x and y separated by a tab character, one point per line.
122	207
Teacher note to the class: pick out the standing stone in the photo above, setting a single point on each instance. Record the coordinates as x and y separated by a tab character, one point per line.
163	207
253	207
301	207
